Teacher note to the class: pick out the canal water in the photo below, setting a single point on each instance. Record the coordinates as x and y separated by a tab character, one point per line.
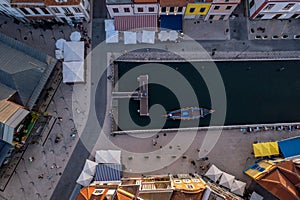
256	92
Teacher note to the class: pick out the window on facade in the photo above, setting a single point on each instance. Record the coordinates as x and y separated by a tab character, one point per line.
179	9
295	16
222	17
34	11
45	10
172	9
217	8
259	16
190	186
151	9
77	10
163	9
24	11
277	16
127	10
192	10
56	10
202	10
115	10
289	6
269	7
228	7
140	9
252	3
211	17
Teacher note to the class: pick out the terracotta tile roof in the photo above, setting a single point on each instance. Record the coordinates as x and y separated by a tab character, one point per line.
173	3
145	1
281	187
27	1
40	17
68	2
87	194
177	195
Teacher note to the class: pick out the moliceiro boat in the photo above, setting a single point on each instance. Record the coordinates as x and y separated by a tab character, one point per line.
189	113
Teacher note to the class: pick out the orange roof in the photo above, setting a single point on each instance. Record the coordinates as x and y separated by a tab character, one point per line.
290	170
172	3
68	2
145	1
276	183
87	194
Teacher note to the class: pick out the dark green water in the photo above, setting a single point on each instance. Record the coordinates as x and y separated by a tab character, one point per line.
256	92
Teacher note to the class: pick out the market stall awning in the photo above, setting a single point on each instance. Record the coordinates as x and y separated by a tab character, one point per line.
172	22
130	37
265	149
127	23
73	51
226	180
290	147
238	187
214	173
108	156
73	72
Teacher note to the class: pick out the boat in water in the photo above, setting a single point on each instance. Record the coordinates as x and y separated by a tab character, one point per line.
189	113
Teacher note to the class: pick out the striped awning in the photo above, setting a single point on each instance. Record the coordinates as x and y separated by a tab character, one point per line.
127	23
108	172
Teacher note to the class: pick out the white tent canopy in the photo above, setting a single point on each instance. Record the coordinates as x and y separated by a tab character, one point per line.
108	156
163	36
60	44
226	180
214	173
59	54
90	167
84	179
173	35
129	37
112	36
256	196
148	37
73	72
109	25
238	187
75	36
73	51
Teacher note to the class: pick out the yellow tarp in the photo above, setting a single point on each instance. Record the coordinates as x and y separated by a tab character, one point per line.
259	169
266	149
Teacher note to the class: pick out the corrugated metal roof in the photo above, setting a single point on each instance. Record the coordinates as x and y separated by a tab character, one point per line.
17	118
11	114
126	23
108	172
6	92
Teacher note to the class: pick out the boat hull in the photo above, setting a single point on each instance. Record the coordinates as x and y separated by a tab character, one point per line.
189	113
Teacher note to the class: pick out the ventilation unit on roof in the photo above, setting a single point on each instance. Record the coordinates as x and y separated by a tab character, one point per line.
98	191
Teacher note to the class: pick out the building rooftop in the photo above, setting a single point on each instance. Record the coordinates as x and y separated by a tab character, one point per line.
118	1
24	69
6	92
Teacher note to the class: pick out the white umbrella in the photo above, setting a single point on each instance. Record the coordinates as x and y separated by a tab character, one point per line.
213	173
60	44
238	187
75	36
84	179
173	35
90	167
226	180
163	36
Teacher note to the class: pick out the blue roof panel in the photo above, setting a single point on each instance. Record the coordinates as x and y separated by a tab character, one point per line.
172	22
108	172
290	147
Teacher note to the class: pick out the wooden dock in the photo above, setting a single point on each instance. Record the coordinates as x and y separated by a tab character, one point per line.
143	86
141	95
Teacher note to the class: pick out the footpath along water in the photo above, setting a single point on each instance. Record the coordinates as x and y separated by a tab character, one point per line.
257	92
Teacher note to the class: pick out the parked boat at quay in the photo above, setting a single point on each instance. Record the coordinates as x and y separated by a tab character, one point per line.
189	113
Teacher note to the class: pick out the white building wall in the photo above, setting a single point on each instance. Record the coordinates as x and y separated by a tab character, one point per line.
145	8
69	12
121	8
168	11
